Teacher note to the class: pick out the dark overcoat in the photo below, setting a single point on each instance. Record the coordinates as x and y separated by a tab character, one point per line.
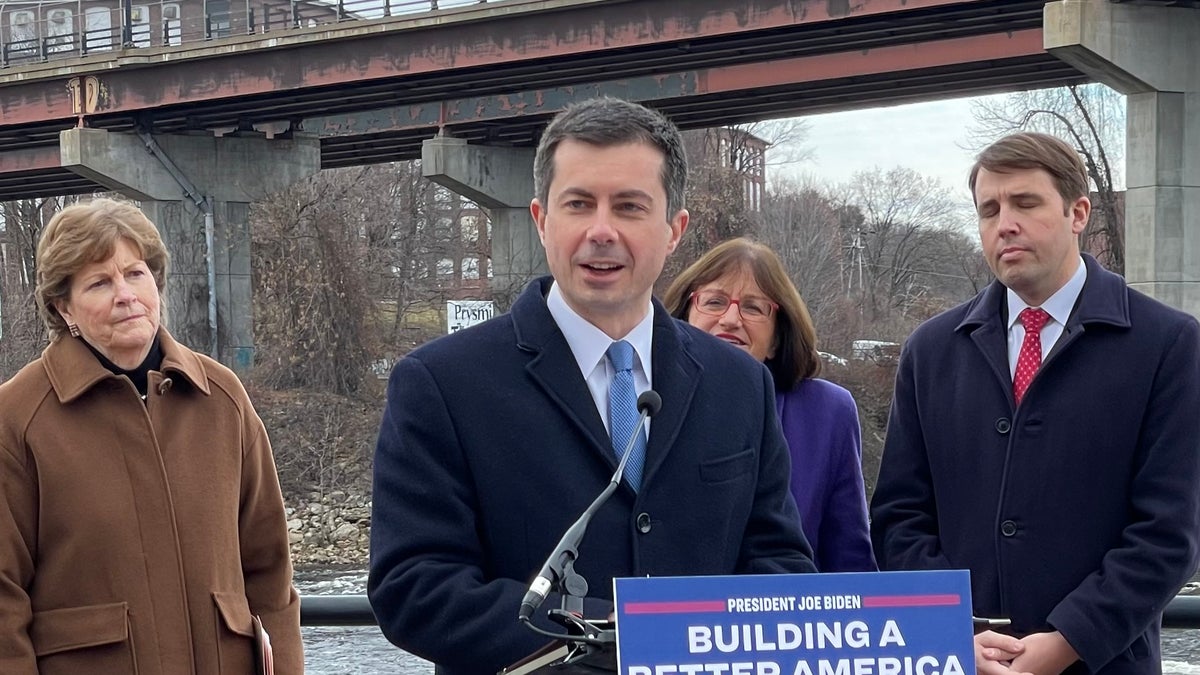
491	445
1079	509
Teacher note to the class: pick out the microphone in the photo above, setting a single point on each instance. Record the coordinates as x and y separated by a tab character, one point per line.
566	552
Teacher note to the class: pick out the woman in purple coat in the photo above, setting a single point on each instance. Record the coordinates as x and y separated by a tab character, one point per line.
740	293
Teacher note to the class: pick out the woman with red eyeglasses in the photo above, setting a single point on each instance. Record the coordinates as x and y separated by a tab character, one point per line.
739	292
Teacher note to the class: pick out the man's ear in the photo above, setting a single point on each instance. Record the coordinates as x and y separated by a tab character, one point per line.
678	226
539	219
1080	210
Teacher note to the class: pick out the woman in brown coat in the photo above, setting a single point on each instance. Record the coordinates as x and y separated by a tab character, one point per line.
141	523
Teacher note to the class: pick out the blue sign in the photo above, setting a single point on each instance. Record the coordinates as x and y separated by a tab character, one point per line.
881	623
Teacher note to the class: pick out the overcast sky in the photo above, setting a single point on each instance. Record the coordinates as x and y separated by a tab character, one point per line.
930	138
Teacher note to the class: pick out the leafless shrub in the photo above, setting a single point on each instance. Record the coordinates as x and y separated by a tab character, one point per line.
22	333
312	307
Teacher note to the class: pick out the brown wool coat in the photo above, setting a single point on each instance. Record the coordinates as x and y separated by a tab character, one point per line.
138	538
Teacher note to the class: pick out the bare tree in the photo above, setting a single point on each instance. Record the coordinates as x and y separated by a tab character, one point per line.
390	245
786	139
426	245
803	226
22	333
891	238
1092	118
964	263
312	307
900	213
725	165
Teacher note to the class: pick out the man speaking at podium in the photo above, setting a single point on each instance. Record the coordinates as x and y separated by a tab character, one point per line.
497	437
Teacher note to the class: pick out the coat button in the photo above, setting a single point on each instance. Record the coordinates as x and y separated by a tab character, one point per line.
1003	425
643	523
1008	528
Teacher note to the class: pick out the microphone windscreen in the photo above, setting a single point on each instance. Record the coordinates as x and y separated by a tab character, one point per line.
649	402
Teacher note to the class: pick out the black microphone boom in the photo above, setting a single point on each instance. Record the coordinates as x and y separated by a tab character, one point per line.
566	552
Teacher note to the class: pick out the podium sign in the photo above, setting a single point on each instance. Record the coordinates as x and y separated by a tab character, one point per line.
881	623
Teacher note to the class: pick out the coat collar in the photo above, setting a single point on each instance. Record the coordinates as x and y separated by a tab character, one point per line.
73	369
553	367
1104	299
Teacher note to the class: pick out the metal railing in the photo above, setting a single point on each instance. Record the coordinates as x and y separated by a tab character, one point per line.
336	610
354	610
40	32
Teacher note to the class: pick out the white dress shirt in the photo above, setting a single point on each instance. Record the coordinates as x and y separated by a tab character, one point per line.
1058	306
590	345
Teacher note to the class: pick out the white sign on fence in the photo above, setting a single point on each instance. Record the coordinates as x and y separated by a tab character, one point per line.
463	313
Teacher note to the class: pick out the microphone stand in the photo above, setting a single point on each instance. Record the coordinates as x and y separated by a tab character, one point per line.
572	586
559	569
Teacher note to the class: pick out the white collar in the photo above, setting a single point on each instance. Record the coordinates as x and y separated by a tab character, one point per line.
588	343
1059	305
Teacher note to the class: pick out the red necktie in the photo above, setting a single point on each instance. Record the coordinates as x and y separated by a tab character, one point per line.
1030	358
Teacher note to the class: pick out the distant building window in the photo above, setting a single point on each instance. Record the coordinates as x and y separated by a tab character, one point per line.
60	31
445	267
139	28
98	35
216	12
22	34
470	228
470	268
22	25
172	27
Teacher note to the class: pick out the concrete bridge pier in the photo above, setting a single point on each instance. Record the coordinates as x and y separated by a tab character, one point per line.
1152	55
198	191
500	180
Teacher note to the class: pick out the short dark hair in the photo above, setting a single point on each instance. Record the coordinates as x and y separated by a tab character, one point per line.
606	122
1032	150
796	357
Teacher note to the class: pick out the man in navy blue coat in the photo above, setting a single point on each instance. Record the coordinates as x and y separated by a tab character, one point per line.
495	439
1076	506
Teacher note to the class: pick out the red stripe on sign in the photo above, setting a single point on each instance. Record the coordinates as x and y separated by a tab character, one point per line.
910	600
682	607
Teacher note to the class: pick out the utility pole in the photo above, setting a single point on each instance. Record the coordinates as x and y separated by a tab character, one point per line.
855	262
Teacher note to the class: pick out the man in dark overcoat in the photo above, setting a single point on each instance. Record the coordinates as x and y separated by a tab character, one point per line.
496	438
1046	436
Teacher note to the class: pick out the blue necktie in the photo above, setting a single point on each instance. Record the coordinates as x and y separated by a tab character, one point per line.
623	413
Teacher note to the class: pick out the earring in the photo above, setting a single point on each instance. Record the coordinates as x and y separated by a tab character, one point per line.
74	330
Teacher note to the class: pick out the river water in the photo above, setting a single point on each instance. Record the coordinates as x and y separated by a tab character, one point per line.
364	651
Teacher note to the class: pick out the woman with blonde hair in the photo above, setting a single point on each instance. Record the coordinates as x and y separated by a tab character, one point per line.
740	293
142	528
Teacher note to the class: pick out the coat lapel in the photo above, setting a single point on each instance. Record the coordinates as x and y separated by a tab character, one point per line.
553	367
73	369
985	324
1104	299
676	376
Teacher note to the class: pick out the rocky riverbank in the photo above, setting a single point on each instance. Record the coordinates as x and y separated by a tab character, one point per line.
329	529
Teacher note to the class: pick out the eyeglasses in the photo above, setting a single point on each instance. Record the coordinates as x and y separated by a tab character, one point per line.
716	303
